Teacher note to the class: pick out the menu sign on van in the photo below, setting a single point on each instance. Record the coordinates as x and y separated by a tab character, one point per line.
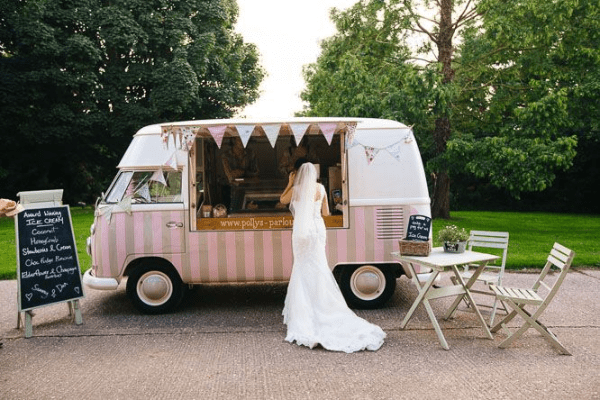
47	258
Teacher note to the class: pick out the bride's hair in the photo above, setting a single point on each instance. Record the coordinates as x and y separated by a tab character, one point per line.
302	204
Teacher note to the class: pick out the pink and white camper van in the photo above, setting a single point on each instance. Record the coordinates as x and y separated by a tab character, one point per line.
197	202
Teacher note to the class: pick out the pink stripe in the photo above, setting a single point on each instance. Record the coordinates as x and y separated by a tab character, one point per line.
231	256
213	256
359	231
342	245
176	233
121	239
104	231
249	255
157	245
138	232
268	254
194	256
176	260
378	248
286	253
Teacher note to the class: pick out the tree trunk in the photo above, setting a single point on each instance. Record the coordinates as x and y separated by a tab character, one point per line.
441	192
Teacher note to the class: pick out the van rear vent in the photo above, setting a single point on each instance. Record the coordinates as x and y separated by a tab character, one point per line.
390	223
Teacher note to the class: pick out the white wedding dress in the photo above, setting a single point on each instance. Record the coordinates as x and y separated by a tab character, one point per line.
315	311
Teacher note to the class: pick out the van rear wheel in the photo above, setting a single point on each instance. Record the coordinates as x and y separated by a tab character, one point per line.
155	287
367	286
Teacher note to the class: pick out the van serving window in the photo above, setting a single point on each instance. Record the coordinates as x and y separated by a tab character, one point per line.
242	170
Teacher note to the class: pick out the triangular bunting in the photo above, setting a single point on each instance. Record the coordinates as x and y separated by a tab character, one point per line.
188	138
172	161
395	150
350	129
245	131
371	153
165	137
299	130
144	192
217	132
328	130
158	176
272	131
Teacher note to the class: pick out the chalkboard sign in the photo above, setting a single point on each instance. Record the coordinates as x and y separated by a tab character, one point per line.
47	258
418	228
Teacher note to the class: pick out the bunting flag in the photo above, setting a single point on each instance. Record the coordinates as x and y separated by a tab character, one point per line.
299	130
172	161
350	130
144	192
409	137
158	176
245	131
395	150
272	131
217	133
188	138
328	130
371	153
164	135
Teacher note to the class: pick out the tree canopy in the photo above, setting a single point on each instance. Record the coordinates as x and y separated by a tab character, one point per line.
79	77
497	91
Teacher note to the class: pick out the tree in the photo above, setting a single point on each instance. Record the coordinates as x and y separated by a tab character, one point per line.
452	88
79	77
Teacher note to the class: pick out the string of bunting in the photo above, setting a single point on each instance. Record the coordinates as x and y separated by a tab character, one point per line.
394	149
184	137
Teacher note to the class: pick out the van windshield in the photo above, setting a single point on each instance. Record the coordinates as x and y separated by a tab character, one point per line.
146	187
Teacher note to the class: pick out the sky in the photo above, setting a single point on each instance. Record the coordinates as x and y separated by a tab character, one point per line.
287	35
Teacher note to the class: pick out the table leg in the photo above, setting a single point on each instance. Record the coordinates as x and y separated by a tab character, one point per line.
471	282
470	298
422	292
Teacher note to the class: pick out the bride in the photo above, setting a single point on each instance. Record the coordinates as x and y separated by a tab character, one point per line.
315	311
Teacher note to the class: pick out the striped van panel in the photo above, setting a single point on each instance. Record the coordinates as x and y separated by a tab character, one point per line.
239	256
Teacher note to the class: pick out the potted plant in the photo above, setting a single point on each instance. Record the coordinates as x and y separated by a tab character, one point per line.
454	238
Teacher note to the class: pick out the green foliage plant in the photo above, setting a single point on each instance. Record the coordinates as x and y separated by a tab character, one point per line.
452	234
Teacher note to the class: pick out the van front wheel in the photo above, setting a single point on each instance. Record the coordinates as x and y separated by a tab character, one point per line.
154	287
367	286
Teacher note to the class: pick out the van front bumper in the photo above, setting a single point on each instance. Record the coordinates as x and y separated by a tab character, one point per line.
99	283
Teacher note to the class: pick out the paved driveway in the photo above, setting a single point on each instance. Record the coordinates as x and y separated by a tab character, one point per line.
226	342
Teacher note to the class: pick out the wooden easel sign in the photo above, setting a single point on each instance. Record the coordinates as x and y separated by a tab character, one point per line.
48	269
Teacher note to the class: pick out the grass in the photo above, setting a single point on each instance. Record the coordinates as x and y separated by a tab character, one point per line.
531	236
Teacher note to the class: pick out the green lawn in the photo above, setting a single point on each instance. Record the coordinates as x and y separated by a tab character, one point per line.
531	236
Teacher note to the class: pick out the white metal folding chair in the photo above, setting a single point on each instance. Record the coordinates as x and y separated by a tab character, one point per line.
493	272
540	295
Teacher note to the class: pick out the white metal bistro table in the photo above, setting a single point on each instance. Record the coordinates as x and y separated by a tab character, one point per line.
439	261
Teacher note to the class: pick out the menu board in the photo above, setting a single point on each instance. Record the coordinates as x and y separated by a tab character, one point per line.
418	228
48	267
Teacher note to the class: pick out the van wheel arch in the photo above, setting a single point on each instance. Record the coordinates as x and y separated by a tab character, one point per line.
369	285
154	285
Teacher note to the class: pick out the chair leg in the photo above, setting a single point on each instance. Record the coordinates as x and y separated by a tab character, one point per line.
531	322
504	321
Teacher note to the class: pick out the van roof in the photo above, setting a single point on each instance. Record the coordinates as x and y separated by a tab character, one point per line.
362	123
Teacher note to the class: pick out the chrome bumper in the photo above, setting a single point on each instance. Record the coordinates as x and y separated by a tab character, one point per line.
99	283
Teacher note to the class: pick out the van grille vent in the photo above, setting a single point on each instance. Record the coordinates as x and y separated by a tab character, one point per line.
390	223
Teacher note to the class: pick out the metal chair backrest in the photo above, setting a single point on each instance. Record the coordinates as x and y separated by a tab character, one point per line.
493	240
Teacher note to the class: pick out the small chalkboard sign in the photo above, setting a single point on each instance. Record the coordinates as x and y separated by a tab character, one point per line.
48	267
418	228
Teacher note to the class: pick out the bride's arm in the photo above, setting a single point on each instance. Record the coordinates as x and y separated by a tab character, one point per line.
324	203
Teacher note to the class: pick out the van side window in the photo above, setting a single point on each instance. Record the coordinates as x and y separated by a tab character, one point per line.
147	187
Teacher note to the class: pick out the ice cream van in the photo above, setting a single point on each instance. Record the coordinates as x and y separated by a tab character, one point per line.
198	202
